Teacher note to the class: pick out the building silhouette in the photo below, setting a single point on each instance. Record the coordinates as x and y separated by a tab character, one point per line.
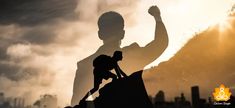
46	101
11	102
1	98
197	102
158	101
18	103
195	96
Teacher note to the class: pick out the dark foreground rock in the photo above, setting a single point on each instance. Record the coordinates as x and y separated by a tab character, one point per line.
128	92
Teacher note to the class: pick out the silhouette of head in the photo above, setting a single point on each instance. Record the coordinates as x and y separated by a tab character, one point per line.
117	55
111	27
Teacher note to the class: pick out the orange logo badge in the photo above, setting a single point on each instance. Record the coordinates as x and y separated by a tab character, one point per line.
222	93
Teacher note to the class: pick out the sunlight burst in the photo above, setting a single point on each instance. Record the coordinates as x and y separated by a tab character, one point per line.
224	25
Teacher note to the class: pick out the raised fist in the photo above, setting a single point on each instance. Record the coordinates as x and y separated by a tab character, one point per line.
154	11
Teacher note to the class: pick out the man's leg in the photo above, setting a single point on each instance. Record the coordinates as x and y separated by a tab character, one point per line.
97	83
110	75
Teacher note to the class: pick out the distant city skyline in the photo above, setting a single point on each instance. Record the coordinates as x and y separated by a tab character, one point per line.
158	101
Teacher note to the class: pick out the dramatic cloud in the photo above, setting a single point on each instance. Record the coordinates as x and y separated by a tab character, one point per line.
39	36
33	12
41	41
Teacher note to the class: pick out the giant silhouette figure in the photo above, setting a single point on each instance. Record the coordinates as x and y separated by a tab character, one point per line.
111	32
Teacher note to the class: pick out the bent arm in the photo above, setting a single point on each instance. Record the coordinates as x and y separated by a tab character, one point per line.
119	71
156	47
160	42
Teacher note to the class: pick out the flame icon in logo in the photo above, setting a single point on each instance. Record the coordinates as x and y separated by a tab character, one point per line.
222	93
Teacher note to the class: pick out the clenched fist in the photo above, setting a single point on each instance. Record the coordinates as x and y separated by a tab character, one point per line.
155	12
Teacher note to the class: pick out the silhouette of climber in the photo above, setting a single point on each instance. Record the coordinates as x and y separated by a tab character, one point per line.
103	65
111	32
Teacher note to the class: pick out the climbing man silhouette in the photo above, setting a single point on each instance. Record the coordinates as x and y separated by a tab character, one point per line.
111	32
103	65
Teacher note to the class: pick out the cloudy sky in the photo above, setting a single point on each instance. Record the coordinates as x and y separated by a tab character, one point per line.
41	41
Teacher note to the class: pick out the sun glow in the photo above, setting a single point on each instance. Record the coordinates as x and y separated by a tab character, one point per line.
224	24
182	18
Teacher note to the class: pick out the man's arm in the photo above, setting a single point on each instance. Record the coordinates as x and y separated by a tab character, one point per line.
119	71
156	47
110	75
